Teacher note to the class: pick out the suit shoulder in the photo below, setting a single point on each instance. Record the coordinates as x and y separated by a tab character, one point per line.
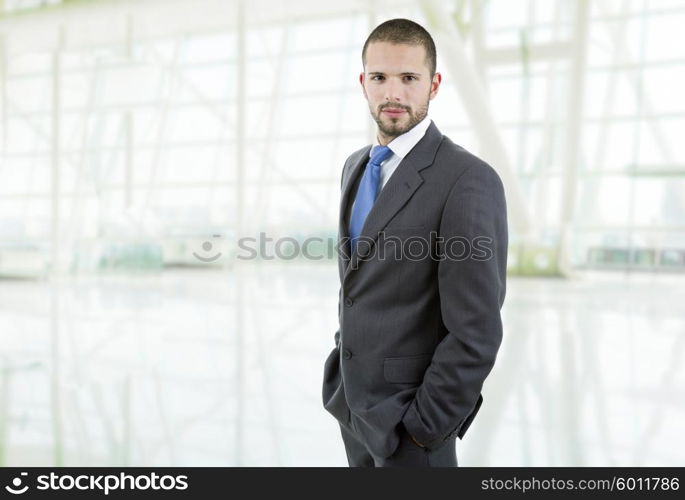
454	156
358	154
352	160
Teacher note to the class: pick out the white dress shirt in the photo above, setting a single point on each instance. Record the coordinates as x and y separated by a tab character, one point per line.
400	147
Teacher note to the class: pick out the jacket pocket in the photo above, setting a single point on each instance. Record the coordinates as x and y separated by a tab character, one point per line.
406	369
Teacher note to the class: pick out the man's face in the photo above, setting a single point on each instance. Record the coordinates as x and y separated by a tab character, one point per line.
397	85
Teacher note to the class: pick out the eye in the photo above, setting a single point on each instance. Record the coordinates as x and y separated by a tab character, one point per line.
410	77
377	77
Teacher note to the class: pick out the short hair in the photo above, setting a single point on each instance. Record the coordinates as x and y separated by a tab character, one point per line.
403	31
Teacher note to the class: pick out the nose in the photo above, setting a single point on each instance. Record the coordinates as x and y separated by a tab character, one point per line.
392	91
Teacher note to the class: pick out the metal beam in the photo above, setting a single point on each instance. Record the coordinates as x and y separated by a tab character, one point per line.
551	51
573	143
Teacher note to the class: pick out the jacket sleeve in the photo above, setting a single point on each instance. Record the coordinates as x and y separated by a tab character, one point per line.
472	291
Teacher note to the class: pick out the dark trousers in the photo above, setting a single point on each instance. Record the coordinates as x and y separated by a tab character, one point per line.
407	454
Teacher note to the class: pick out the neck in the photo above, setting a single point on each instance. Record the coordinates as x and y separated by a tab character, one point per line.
383	139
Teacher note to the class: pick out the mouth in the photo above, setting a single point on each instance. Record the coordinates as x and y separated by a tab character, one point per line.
394	112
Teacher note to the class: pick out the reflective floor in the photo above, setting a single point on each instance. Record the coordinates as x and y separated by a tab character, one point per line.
212	368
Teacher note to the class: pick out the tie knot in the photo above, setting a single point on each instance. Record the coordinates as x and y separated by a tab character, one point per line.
379	154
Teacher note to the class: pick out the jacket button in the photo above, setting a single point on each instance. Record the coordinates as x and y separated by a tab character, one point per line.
347	354
349	301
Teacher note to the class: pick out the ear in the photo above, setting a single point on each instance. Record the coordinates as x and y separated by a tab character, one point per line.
435	85
361	81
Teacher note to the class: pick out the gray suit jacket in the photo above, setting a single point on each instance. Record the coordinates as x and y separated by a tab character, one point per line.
419	333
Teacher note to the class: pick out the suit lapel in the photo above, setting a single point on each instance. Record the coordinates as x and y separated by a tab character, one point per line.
349	177
400	187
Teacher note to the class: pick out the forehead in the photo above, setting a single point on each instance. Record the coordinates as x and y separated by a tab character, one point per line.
387	57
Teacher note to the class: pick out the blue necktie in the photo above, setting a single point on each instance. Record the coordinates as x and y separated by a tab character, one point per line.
367	191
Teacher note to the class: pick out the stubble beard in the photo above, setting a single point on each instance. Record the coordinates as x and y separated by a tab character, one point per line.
394	128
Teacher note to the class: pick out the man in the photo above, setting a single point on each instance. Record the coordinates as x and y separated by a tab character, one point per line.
420	327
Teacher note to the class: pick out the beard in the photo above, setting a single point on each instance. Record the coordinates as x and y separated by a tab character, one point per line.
394	127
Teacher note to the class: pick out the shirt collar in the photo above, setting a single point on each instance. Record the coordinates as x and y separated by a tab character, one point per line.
402	144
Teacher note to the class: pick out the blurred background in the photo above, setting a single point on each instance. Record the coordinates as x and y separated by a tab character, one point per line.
140	139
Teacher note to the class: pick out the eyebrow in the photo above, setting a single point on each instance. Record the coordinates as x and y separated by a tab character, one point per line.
403	73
